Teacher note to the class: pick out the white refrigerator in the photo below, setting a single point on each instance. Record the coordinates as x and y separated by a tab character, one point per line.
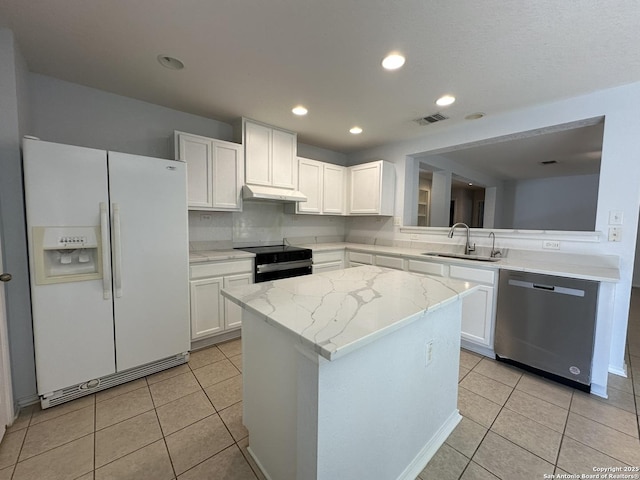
108	254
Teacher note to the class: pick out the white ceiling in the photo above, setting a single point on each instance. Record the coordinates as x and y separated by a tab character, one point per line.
259	58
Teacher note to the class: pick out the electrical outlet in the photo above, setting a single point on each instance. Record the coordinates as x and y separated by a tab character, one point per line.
615	234
414	236
397	221
551	244
205	217
429	352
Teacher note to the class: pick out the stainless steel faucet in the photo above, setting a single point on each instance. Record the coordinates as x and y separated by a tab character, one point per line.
467	248
494	253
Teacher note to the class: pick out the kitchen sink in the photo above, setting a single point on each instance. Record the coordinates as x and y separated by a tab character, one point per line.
462	256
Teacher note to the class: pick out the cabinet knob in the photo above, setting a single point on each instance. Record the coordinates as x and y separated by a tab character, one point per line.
5	277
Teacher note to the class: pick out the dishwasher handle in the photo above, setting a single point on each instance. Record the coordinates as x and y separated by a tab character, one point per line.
575	292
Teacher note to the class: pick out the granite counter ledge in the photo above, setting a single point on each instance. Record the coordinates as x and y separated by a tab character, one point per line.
351	373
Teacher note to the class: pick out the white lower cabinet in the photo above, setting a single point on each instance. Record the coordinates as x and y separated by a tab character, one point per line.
211	313
390	262
477	316
206	307
233	312
327	261
478	308
356	259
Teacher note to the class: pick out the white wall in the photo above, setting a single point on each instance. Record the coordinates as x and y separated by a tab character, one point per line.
559	203
321	154
618	186
13	118
69	113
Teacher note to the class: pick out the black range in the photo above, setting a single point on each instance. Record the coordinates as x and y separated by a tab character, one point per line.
274	262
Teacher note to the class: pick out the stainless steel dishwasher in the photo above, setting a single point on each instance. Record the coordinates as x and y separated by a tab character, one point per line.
546	324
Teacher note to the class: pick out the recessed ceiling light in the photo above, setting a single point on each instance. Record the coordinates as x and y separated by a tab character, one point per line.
300	110
474	116
170	62
393	61
355	130
445	100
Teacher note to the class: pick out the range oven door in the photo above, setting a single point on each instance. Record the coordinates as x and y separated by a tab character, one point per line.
275	271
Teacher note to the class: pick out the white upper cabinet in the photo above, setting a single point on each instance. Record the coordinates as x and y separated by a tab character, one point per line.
372	188
310	182
270	155
324	185
215	172
334	189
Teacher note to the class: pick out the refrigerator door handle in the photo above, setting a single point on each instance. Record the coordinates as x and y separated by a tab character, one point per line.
106	268
117	251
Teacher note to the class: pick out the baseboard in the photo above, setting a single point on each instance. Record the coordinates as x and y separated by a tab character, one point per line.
27	401
622	372
207	342
429	450
599	390
258	464
472	347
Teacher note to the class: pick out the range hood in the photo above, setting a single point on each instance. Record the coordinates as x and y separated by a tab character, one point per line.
261	192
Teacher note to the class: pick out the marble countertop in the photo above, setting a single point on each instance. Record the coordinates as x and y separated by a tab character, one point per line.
337	312
217	255
602	268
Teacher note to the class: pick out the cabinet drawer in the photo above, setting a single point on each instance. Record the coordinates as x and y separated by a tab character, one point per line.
327	267
358	257
325	257
472	274
221	268
427	267
390	262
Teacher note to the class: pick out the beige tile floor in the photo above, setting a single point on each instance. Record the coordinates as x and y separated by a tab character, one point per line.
185	423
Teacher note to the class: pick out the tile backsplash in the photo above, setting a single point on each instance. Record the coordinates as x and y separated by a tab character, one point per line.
260	223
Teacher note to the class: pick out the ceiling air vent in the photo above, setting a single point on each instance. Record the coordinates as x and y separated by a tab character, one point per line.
436	117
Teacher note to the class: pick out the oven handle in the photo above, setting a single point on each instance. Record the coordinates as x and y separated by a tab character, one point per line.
277	267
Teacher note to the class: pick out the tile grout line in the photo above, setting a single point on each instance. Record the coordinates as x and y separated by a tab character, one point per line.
502	407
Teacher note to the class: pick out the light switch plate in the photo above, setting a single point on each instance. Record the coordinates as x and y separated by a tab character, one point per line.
615	217
615	234
205	217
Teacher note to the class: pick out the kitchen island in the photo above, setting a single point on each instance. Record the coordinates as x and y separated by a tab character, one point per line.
349	374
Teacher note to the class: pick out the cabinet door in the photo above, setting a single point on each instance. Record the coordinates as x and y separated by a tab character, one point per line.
233	313
207	311
334	186
310	183
196	152
257	142
364	191
477	316
283	159
228	176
